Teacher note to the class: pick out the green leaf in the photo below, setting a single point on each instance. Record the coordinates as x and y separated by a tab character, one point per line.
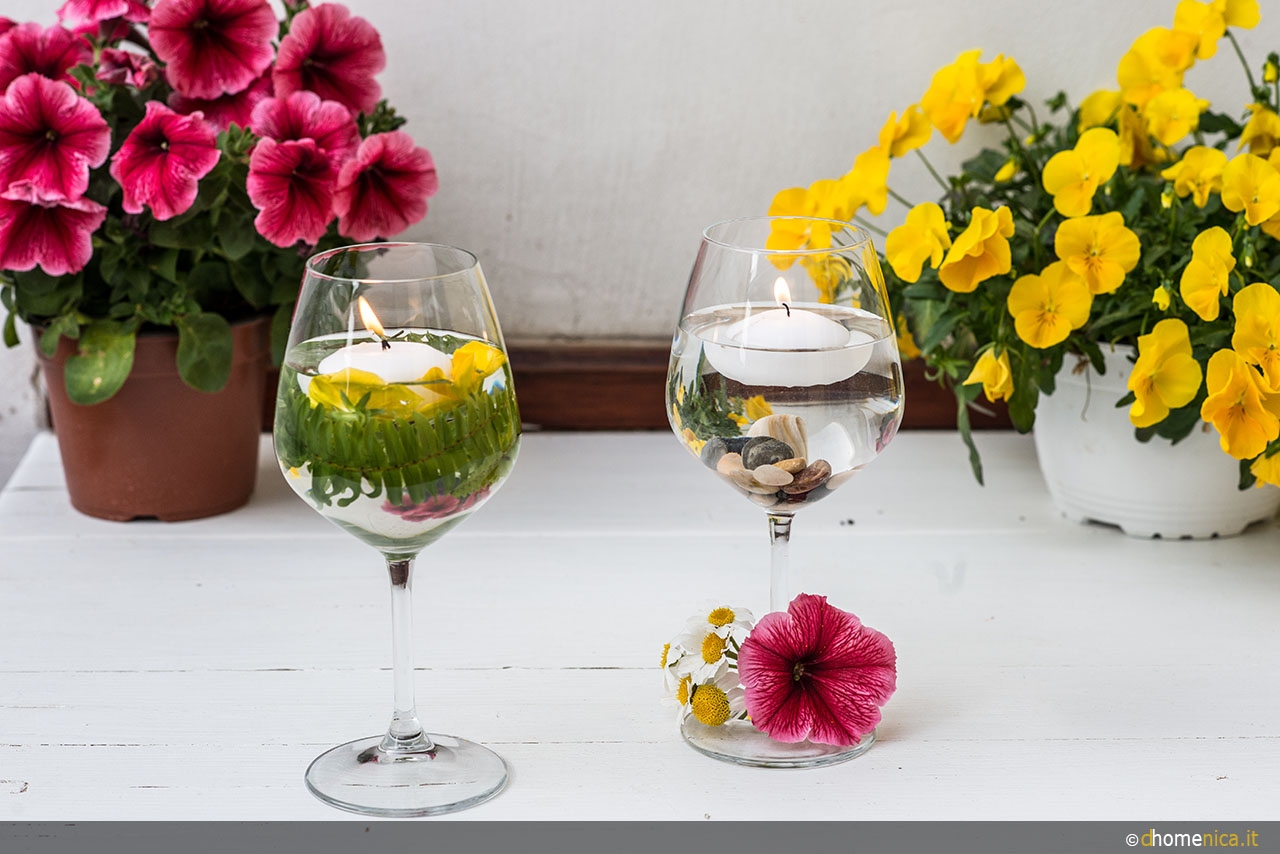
166	265
11	330
236	235
101	364
938	331
1211	122
1127	400
207	280
1247	479
37	295
204	351
195	232
67	325
964	396
256	288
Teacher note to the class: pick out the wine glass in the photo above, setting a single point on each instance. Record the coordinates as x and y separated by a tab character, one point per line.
784	380
395	420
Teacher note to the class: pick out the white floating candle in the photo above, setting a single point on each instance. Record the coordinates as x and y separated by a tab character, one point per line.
789	346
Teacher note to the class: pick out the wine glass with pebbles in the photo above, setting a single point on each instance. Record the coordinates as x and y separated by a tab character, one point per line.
784	381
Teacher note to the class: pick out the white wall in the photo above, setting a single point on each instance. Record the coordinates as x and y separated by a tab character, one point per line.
582	145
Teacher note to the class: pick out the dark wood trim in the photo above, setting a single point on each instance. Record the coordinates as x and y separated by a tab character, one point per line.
597	385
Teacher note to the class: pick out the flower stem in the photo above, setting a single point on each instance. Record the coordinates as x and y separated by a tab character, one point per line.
934	172
1243	62
779	565
870	226
899	199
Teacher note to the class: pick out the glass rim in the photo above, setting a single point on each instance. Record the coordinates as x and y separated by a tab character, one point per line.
321	257
863	237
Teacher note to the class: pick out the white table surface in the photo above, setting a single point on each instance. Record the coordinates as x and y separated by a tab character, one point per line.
1046	670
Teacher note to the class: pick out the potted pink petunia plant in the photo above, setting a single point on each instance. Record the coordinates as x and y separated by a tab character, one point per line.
169	166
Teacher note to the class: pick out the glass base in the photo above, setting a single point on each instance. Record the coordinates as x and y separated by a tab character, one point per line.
361	778
741	743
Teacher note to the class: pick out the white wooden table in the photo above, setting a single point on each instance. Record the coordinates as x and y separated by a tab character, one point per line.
1046	670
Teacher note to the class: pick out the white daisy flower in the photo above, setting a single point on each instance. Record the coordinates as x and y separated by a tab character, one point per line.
720	700
711	643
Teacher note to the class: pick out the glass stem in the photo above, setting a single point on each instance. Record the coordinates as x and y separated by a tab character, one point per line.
405	735
779	564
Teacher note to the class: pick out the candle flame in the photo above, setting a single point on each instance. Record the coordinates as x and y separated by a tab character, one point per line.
370	319
781	292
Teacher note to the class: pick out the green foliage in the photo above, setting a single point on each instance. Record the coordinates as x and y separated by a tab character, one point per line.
204	351
102	363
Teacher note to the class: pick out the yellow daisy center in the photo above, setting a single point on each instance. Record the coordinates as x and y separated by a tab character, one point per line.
712	648
666	649
710	705
721	617
682	691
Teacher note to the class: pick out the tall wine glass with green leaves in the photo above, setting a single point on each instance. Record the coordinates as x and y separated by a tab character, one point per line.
395	420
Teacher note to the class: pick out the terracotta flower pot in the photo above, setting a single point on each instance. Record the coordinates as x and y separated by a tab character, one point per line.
158	448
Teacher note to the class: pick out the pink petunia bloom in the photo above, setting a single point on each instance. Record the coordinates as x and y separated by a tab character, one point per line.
333	54
6	24
303	115
221	112
79	14
435	507
162	161
384	188
126	67
291	185
51	52
54	233
50	137
815	672
213	47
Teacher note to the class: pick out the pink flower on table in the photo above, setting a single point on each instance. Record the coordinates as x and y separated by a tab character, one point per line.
126	67
50	137
213	47
815	672
435	507
333	54
221	112
54	233
162	161
303	115
291	185
384	188
51	52
6	24
81	14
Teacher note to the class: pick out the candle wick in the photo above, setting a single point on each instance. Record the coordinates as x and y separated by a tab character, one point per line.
788	308
386	345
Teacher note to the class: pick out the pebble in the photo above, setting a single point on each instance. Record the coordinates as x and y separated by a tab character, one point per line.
734	443
765	450
729	463
795	465
743	478
768	475
713	451
788	429
813	476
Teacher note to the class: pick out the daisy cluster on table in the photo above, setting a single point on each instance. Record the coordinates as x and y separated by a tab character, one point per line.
813	672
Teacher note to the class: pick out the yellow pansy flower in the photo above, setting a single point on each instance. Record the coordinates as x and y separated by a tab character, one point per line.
740	420
756	407
1161	298
868	180
1262	131
1155	62
1197	174
1047	307
1173	114
1072	177
1252	185
1001	79
827	198
907	347
1266	470
1007	170
1270	72
1203	21
1235	406
994	373
1257	331
954	95
980	252
1099	109
344	389
1205	278
923	235
906	133
1100	249
1166	375
1244	14
1137	149
472	363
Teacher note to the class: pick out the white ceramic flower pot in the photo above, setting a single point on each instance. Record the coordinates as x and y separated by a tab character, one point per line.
1097	471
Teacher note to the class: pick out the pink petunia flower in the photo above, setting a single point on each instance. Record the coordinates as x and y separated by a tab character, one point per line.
333	54
54	233
126	67
221	112
6	24
303	115
384	188
435	507
51	51
291	185
80	14
50	137
213	47
162	161
815	672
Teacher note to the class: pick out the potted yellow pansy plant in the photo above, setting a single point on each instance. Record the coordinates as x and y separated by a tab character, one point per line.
1122	252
